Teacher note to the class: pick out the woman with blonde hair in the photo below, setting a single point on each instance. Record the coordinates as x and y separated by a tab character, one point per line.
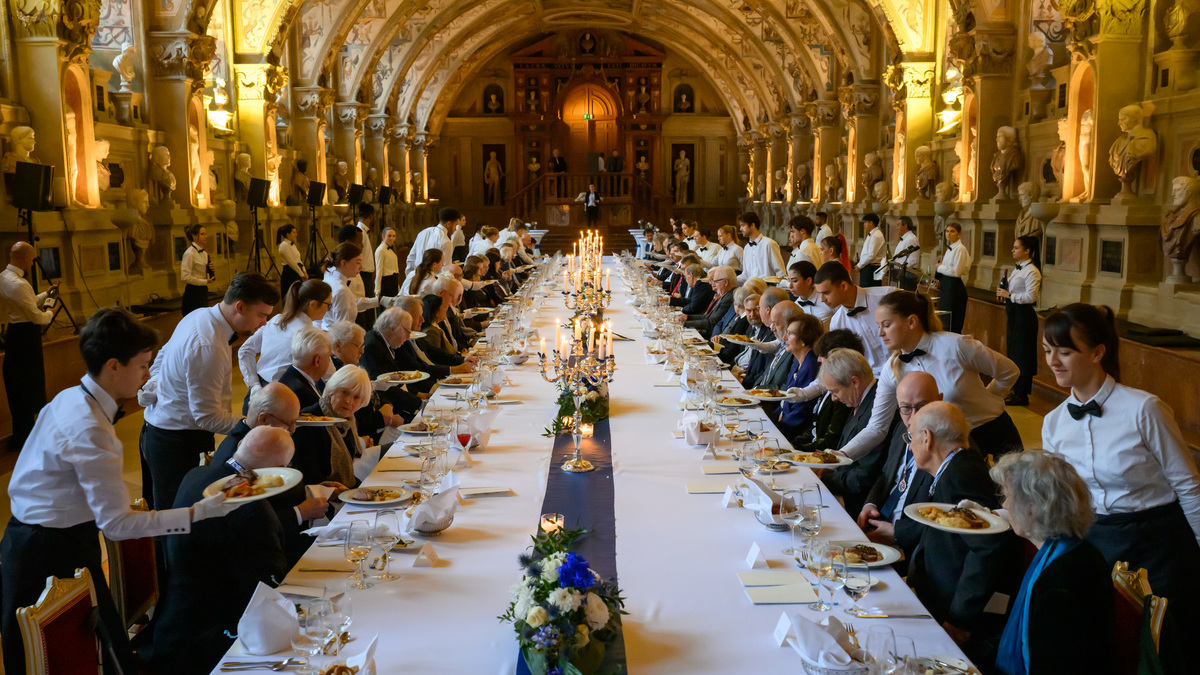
335	452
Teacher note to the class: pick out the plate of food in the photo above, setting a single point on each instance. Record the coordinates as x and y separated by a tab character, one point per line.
703	350
317	420
767	394
376	495
951	518
694	341
254	484
736	401
416	335
403	376
739	339
820	459
477	311
457	381
418	428
772	279
868	552
772	466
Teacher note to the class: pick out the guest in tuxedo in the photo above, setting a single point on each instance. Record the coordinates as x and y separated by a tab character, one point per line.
1142	475
591	204
721	282
457	331
346	342
802	284
389	406
769	357
332	453
1063	618
802	333
882	518
848	378
828	416
965	581
735	321
193	627
311	357
387	348
955	267
696	294
751	326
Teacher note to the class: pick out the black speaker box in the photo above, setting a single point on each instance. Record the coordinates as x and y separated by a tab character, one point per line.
31	186
256	196
316	193
385	195
354	196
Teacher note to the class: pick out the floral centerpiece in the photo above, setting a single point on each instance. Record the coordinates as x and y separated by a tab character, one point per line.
562	611
594	408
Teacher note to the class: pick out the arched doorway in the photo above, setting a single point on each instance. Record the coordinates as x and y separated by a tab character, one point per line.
589	112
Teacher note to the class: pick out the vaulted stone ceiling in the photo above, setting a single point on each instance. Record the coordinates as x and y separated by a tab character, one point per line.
410	58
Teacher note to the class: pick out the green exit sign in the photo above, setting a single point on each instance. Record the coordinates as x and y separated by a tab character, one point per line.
588	116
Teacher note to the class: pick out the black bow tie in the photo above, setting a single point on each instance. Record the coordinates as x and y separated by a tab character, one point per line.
806	303
907	358
119	415
724	248
1090	408
690	239
752	243
232	339
856	311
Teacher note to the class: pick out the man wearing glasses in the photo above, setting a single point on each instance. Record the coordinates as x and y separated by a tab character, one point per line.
723	280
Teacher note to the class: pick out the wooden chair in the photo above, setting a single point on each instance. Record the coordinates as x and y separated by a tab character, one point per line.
1132	590
133	575
58	631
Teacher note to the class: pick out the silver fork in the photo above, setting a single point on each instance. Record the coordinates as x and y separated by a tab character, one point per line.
852	633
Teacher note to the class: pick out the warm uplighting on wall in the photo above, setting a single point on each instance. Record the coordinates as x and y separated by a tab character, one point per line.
952	96
218	116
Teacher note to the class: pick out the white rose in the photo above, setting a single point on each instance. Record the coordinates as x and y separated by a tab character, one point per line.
551	564
524	602
566	599
536	617
596	611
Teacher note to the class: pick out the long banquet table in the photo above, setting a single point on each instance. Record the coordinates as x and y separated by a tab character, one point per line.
677	554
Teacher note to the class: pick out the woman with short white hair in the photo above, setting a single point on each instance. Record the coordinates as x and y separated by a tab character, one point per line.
1063	617
329	452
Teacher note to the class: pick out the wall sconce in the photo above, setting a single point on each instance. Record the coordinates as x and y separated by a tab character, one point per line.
218	116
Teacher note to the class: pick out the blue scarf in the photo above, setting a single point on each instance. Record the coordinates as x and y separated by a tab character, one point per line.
1013	655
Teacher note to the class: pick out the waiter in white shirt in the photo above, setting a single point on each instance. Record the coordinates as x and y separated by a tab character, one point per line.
188	397
436	236
591	203
689	233
366	219
956	264
823	229
873	250
25	313
853	309
800	230
67	486
731	252
1128	449
707	250
761	257
1020	296
803	287
911	261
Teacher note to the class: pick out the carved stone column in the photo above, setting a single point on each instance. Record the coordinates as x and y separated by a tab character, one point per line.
799	141
258	89
989	76
758	163
178	64
777	154
400	157
824	114
422	142
860	105
308	131
378	134
912	86
744	167
347	138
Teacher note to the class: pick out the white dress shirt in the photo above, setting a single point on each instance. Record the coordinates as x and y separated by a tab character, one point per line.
1133	457
289	256
761	258
956	262
731	255
820	310
822	232
908	240
368	264
70	471
873	249
272	344
425	289
386	264
193	269
19	302
956	362
690	243
458	238
1025	284
191	375
480	246
863	323
345	304
708	252
430	237
506	235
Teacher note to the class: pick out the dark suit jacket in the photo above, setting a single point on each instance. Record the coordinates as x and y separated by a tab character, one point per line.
293	379
1071	615
739	325
377	357
615	164
705	323
407	359
777	378
312	450
558	164
759	362
908	531
214	571
853	481
831	417
698	298
955	575
435	348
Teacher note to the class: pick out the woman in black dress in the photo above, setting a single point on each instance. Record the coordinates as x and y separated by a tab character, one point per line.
1020	300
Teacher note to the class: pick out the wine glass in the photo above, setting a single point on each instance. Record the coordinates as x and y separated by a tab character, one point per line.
731	420
747	466
387	535
810	526
857	584
881	645
766	451
356	548
791	511
339	617
754	429
906	654
310	639
429	478
816	562
835	574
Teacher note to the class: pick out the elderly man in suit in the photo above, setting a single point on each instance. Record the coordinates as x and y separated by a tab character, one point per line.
312	353
723	282
968	583
696	292
216	567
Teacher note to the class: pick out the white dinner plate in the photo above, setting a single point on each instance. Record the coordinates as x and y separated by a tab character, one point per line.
738	401
301	422
781	468
291	478
762	397
348	496
795	457
744	343
403	376
457	381
890	554
416	335
408	429
996	524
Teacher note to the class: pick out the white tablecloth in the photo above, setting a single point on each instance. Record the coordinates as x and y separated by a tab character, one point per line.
677	554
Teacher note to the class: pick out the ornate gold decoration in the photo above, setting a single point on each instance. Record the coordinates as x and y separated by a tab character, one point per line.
77	26
859	100
35	18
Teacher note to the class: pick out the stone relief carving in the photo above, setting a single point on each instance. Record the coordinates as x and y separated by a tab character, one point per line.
35	18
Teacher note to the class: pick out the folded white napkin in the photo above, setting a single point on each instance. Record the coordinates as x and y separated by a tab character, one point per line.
435	512
761	499
269	622
692	435
336	532
364	661
363	466
479	425
825	644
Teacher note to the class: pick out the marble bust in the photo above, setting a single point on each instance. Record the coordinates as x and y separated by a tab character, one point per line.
880	191
22	148
141	233
943	192
300	180
833	183
124	65
1040	62
872	174
1181	227
1007	163
241	177
1028	193
341	181
162	181
1136	144
101	148
804	181
927	172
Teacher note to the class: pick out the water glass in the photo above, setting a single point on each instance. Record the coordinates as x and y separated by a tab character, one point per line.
881	646
338	619
387	535
429	477
313	632
356	548
810	525
835	576
791	506
857	584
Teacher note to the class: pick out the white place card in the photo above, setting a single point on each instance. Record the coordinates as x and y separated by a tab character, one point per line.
427	557
755	559
781	577
302	591
709	454
784	630
677	434
707	487
485	492
731	499
464	459
719	468
790	594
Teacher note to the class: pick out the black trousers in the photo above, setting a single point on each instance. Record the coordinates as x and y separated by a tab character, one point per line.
953	299
1022	342
368	279
998	437
389	286
866	277
167	455
287	277
194	297
24	378
593	214
459	254
31	553
1161	541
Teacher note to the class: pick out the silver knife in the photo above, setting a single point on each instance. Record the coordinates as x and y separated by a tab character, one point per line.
894	616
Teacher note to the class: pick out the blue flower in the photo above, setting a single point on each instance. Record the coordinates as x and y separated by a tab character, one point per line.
554	671
575	573
546	638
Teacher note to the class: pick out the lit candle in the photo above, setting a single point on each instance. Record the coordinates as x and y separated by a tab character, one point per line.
542	345
585	430
607	280
552	522
557	325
